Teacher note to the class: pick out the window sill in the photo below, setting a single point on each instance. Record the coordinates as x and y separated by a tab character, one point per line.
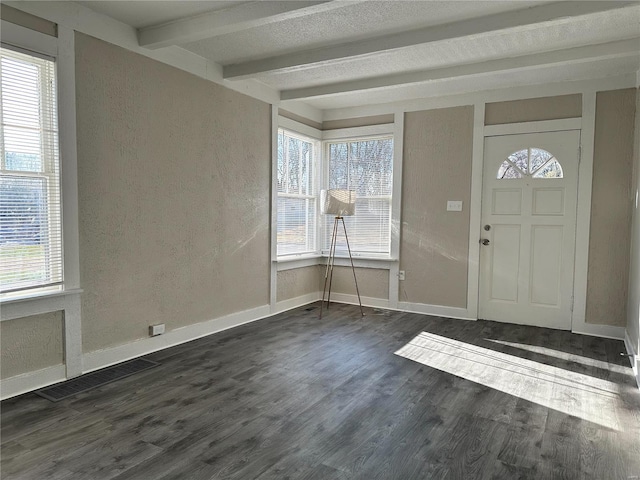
294	258
16	297
23	304
297	261
383	263
293	262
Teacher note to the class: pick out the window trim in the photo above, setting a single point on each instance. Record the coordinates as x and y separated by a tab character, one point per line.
67	296
62	49
383	129
395	130
529	174
29	41
300	132
50	174
355	134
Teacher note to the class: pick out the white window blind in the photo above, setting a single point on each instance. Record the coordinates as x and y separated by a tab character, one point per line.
30	214
297	194
366	166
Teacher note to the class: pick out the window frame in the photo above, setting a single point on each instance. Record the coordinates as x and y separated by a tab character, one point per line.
61	48
529	173
65	297
355	134
292	130
50	173
365	260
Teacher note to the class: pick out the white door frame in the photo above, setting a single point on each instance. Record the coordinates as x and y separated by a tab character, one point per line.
554	308
583	223
586	124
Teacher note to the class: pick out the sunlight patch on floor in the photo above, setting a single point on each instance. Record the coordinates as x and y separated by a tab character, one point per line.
570	357
572	393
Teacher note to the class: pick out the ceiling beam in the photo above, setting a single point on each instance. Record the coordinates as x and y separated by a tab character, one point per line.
229	20
520	19
590	53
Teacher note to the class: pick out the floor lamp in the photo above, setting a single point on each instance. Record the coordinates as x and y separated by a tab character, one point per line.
341	203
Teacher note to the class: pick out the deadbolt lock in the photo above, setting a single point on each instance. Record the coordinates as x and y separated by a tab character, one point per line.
487	227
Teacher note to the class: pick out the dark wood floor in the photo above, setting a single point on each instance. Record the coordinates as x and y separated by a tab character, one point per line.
294	397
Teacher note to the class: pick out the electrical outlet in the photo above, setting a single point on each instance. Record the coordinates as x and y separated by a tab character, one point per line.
156	329
401	275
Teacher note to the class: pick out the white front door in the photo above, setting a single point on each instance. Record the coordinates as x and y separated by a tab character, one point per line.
530	188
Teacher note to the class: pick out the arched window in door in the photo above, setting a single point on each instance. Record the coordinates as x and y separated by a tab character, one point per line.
532	163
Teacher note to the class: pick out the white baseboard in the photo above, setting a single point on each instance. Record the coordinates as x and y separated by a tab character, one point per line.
296	302
436	310
373	302
27	382
98	359
366	301
604	331
634	357
110	356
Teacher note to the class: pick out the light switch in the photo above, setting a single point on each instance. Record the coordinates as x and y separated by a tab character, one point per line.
454	205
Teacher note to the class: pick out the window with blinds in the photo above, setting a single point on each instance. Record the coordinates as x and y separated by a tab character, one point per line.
30	215
297	194
366	166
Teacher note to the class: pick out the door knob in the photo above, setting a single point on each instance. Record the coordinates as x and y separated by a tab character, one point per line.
484	241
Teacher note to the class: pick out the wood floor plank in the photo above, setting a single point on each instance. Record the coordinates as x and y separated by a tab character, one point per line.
503	471
521	447
296	397
26	418
47	445
108	458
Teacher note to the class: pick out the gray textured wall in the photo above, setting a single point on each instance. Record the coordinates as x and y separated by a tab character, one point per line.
533	109
633	311
357	122
31	343
434	249
297	282
18	17
610	230
174	174
372	282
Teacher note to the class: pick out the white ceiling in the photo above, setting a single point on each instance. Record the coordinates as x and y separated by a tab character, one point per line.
351	22
140	14
333	54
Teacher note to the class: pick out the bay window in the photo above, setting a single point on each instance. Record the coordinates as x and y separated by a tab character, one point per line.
361	161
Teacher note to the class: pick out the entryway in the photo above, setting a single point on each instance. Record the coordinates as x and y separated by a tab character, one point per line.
530	184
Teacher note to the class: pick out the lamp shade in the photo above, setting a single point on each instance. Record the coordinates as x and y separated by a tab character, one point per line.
341	203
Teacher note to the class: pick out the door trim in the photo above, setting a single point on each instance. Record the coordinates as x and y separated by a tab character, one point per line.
475	211
583	223
543	126
583	213
509	206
